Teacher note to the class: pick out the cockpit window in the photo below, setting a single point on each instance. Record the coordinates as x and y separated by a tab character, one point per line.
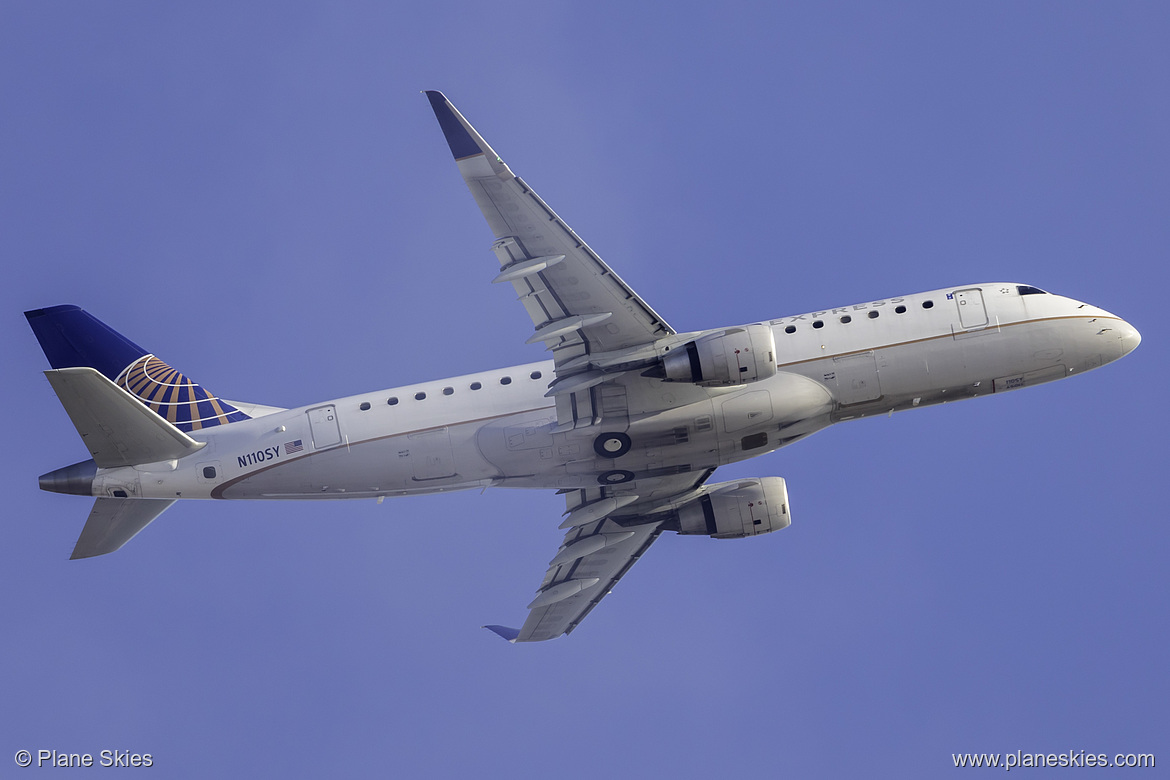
1026	289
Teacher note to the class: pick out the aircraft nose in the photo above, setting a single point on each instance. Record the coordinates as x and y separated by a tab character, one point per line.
1130	338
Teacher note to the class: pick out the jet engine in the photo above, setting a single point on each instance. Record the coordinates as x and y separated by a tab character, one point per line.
735	356
733	510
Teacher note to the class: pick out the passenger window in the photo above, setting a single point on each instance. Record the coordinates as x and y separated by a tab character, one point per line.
209	472
846	319
790	329
448	390
505	380
873	315
419	396
900	310
818	324
392	400
365	406
535	375
476	385
928	304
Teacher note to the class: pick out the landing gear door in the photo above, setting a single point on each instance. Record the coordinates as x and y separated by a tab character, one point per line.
431	455
323	423
972	312
856	377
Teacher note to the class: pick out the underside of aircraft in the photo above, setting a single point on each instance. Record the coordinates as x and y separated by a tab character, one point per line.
628	420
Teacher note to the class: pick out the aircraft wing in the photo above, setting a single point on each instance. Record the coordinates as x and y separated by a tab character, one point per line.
578	305
607	534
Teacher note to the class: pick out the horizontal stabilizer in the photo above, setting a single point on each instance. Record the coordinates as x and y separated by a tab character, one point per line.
113	522
118	430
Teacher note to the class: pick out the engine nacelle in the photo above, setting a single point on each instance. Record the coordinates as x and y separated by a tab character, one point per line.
733	510
734	356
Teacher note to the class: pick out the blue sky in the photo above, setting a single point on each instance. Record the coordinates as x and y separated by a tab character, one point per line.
261	196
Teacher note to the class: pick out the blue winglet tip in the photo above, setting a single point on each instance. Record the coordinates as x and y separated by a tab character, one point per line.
458	139
503	631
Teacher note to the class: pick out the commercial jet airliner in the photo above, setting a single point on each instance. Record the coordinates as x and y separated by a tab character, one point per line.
628	420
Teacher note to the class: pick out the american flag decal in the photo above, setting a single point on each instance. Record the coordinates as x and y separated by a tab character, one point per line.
293	446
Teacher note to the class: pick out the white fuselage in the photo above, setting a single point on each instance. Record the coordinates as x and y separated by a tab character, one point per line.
497	428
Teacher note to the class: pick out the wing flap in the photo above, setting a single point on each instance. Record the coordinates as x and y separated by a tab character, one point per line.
580	285
572	588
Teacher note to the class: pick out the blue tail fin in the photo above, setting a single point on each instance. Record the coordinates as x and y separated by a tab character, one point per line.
72	338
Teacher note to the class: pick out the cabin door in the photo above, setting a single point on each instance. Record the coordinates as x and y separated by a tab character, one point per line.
323	423
972	312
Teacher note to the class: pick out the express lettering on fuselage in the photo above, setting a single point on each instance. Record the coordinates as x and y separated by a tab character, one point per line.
839	310
253	458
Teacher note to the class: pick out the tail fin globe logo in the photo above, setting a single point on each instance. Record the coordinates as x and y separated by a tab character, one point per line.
174	397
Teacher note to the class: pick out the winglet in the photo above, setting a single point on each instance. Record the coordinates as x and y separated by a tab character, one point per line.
507	633
461	137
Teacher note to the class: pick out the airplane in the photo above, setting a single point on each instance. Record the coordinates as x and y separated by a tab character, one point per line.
628	421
